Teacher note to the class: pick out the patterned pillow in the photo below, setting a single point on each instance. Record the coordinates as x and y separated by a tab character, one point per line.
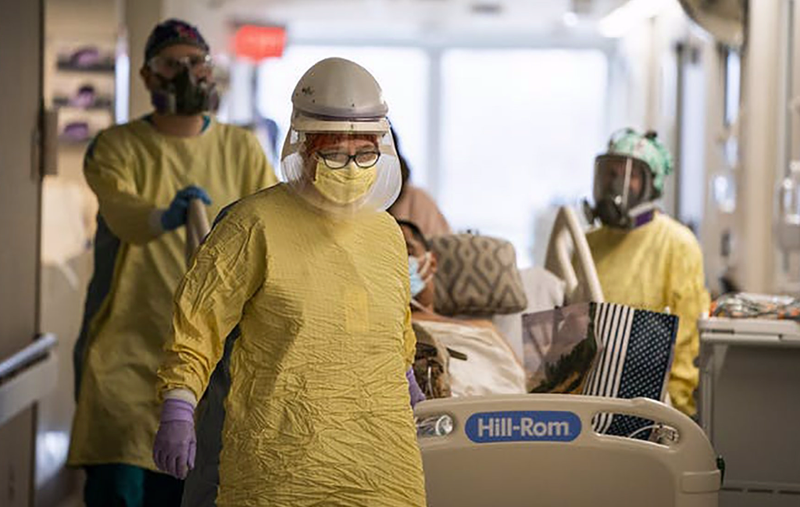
477	276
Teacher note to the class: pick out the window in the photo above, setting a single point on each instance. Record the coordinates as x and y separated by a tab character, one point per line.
520	132
733	77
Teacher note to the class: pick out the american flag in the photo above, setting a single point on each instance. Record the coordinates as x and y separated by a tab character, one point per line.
635	362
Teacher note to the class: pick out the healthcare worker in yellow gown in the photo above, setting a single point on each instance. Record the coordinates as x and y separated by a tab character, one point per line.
644	258
315	275
144	174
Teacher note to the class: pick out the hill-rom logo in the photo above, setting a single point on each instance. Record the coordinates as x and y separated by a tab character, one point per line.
543	426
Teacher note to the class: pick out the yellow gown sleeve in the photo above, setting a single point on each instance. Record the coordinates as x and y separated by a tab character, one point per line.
689	300
110	175
228	269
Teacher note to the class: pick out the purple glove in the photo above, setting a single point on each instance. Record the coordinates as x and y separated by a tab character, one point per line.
175	444
414	391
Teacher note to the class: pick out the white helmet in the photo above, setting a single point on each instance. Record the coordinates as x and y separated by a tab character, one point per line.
337	96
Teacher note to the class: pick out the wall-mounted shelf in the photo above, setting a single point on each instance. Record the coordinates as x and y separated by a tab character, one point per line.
102	69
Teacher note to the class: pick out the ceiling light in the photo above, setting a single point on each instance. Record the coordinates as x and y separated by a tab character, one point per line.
623	18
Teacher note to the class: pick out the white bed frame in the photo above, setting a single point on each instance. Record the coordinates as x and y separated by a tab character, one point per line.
541	450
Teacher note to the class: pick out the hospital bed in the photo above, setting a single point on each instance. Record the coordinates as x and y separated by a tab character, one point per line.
541	450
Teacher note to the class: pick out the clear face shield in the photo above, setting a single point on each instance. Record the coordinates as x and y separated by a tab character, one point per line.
342	167
623	192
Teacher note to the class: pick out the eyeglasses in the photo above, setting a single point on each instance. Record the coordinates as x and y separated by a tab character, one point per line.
340	159
170	65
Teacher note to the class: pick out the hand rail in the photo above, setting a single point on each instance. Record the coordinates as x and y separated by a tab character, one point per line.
582	284
27	377
30	354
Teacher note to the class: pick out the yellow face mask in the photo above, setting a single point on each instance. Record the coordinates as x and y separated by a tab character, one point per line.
346	185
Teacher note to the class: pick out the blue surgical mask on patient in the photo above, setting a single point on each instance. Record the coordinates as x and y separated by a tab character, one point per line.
417	283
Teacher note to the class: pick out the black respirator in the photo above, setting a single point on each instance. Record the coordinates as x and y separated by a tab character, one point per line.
185	94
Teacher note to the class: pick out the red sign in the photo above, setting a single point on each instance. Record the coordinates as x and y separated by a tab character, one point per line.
259	42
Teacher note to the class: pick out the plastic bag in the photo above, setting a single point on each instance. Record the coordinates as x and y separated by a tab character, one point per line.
560	348
756	306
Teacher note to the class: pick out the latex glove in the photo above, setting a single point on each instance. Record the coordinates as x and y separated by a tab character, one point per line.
175	445
414	390
175	215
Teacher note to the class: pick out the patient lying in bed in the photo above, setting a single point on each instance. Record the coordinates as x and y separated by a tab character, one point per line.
455	357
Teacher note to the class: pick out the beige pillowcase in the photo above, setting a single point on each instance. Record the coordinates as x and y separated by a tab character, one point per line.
477	276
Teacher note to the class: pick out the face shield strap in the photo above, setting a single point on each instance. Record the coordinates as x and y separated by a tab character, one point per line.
627	185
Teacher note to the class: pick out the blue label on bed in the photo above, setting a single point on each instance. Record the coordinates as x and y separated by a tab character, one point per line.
540	426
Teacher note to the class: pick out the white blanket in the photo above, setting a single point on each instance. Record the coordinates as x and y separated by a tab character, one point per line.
491	367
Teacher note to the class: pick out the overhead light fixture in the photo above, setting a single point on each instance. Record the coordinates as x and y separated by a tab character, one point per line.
570	19
492	8
623	18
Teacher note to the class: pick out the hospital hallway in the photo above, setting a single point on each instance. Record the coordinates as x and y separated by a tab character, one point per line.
600	204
